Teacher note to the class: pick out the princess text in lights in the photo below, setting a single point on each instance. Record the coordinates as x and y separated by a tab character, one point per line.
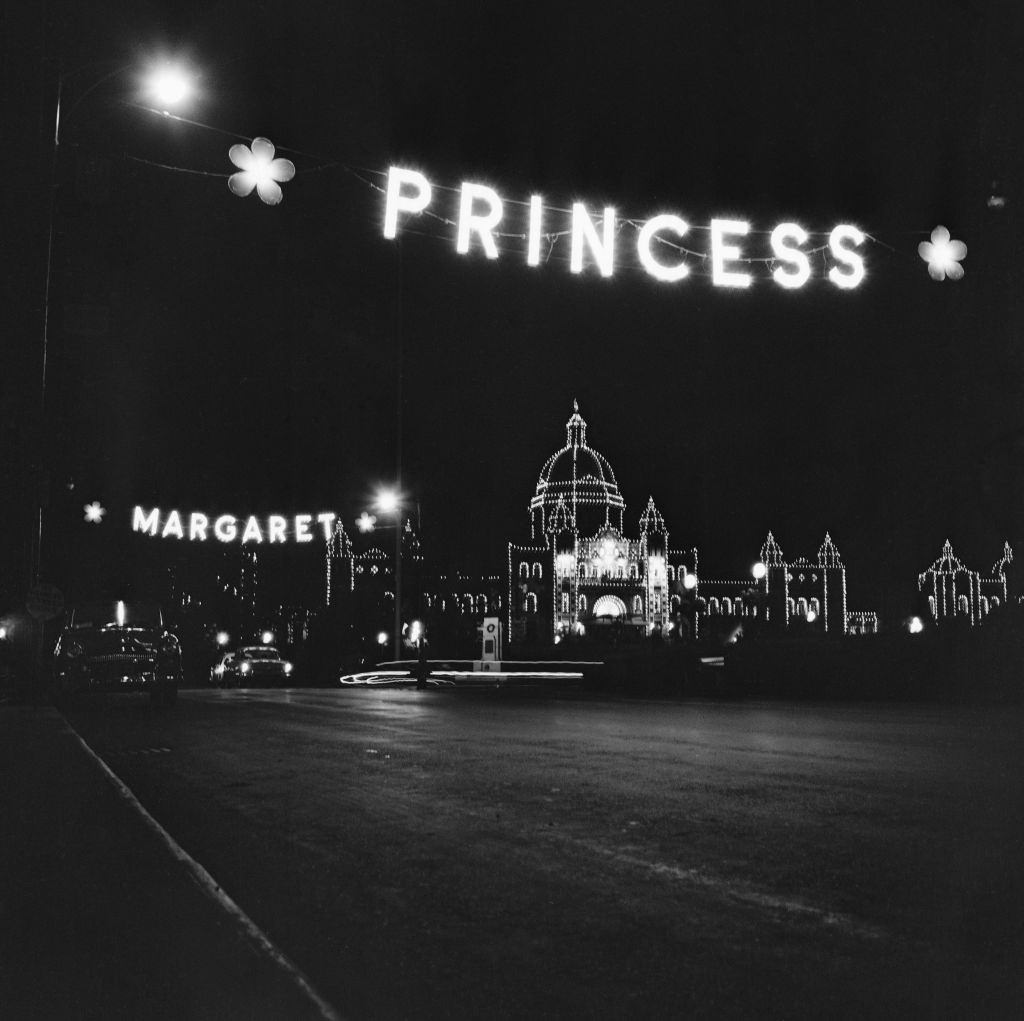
199	527
596	238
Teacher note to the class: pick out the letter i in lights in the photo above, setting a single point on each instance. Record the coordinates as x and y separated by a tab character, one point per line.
536	218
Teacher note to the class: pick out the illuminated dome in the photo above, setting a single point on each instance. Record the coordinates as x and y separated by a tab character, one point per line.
583	479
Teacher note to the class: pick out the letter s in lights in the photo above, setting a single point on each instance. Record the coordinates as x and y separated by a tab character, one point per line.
397	201
801	274
844	232
666	221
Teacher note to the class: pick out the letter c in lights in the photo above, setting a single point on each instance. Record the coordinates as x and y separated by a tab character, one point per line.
666	221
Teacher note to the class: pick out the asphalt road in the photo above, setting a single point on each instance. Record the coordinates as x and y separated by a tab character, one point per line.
428	854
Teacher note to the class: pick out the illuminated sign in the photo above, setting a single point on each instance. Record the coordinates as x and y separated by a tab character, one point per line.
596	238
199	527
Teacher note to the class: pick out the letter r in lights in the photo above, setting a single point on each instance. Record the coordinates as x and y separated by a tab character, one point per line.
398	201
480	223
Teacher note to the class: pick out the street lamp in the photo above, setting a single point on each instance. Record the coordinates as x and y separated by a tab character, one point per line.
168	84
388	503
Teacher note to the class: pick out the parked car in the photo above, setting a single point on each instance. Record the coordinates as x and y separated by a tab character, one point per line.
251	665
118	646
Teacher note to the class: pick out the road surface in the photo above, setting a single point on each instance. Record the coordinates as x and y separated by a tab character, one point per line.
427	854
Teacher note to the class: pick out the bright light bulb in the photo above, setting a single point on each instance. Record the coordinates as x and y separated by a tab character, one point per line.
169	86
223	638
759	570
690	581
387	501
268	637
916	625
382	638
811	616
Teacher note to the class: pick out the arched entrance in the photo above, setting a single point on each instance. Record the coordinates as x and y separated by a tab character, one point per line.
609	606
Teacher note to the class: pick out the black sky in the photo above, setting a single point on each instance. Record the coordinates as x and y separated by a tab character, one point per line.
252	354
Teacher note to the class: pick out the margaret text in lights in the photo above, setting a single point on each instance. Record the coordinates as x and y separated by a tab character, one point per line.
199	527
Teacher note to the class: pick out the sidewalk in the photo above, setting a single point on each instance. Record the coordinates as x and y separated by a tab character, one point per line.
97	918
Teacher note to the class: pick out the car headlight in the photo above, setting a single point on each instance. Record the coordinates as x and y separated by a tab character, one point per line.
288	668
245	668
219	669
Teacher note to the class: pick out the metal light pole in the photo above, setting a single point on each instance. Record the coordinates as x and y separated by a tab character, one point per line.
168	86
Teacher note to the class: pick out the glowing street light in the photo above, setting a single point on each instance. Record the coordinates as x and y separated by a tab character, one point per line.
915	626
267	637
168	85
387	501
223	638
811	616
382	638
759	571
689	581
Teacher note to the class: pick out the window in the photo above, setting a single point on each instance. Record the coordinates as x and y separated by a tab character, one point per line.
815	607
531	603
671	573
963	607
581	604
675	602
713	605
536	570
726	605
931	606
995	602
638	604
983	604
801	607
633	571
790	606
565	602
524	570
481	604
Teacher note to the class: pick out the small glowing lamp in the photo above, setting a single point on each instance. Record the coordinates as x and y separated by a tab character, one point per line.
916	625
120	613
267	637
387	501
169	85
3	633
811	616
690	581
223	638
759	570
382	638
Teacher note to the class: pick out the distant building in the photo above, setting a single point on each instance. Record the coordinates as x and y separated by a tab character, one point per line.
954	592
580	571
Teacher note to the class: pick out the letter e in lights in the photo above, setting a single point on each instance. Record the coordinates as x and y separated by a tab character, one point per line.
798	276
480	223
643	247
398	201
720	252
845	232
302	533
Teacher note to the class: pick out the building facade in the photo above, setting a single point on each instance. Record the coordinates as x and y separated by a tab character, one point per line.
955	593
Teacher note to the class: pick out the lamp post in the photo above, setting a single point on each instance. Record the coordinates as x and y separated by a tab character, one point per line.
167	85
389	502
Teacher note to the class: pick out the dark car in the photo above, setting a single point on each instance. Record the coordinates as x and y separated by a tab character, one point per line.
250	666
118	646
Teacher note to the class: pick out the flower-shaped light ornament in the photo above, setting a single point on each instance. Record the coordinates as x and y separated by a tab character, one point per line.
258	169
94	512
943	255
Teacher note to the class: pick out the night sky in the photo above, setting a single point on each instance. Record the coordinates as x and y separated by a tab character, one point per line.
252	353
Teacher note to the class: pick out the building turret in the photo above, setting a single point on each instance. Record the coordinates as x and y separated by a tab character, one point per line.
652	530
775	583
833	610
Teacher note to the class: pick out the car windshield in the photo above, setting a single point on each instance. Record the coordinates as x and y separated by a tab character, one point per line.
116	613
261	653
